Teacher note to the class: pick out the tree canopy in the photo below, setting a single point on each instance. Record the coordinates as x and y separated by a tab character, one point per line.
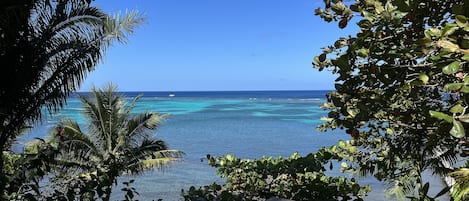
402	88
47	47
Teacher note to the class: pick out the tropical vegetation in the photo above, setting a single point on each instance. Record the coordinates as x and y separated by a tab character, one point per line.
401	93
116	142
402	90
46	49
295	178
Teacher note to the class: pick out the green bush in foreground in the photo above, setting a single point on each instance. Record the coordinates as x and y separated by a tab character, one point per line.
295	177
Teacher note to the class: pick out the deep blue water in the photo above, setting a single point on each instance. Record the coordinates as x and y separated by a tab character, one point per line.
247	124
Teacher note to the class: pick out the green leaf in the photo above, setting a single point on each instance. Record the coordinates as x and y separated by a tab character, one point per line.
452	68
465	89
316	60
457	109
441	116
449	29
341	144
424	77
389	131
432	32
363	52
465	57
352	112
466	80
457	130
464	44
454	86
322	57
449	46
461	20
341	62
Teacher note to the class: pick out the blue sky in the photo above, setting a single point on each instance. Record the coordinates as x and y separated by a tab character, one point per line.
207	45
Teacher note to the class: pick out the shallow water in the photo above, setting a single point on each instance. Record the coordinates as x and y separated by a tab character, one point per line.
247	125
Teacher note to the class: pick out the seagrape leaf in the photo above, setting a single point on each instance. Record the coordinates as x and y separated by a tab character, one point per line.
461	20
466	79
229	157
363	52
441	115
457	130
457	109
451	47
341	62
432	32
449	29
453	86
322	57
464	89
424	77
389	131
451	68
466	57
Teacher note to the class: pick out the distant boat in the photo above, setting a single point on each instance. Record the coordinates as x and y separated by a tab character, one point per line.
171	95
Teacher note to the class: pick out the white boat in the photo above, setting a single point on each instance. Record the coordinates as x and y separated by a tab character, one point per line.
171	95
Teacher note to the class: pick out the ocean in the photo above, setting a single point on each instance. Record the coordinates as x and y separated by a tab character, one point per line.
247	124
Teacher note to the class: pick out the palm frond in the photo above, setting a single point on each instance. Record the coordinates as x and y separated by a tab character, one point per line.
148	164
461	187
149	149
73	136
119	26
158	163
140	123
68	45
441	159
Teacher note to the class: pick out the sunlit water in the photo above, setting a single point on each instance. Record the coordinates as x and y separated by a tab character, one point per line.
245	124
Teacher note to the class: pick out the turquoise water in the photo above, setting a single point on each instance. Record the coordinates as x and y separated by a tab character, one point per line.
246	124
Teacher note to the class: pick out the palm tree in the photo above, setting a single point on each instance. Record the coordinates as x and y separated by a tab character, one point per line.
116	142
461	184
46	49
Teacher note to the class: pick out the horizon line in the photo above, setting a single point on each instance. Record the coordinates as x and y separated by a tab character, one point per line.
223	90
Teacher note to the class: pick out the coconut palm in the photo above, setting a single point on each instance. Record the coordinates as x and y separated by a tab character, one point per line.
46	49
116	142
461	183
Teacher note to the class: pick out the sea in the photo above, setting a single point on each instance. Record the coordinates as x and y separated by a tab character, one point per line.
246	124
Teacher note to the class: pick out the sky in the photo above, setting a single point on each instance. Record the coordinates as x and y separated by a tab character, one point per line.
218	45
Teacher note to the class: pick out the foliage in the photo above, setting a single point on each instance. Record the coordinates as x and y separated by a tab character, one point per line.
46	49
130	192
402	88
83	166
117	142
461	187
296	178
24	172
